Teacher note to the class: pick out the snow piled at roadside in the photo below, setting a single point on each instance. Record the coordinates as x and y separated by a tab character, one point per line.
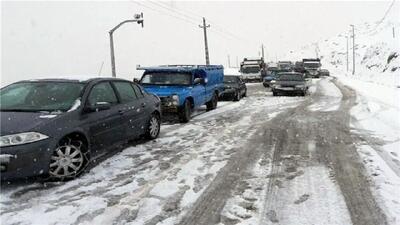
330	99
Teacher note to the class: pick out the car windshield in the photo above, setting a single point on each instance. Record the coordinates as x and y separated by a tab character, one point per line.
312	64
251	69
291	77
167	78
230	79
40	96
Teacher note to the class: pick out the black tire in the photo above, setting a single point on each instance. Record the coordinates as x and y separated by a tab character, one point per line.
153	127
245	93
185	112
237	96
71	156
212	104
274	93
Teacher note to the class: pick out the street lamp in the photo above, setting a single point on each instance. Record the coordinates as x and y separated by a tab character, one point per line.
138	18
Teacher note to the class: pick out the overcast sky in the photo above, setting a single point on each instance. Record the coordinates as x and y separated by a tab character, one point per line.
54	38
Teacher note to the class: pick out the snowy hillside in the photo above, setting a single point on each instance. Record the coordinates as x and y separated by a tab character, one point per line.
377	53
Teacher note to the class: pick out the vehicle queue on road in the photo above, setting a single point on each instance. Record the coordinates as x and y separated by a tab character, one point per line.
48	133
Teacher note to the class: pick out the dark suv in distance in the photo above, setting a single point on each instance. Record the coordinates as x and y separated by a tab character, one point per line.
234	88
55	127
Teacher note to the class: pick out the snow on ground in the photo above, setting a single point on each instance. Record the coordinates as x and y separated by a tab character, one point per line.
377	113
331	97
318	200
307	195
232	71
156	181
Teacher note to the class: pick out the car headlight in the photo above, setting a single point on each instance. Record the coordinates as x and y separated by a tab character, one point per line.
175	99
277	86
273	81
21	138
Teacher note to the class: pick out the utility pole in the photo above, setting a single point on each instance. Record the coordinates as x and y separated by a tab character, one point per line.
262	50
354	51
229	61
347	53
138	19
205	40
394	33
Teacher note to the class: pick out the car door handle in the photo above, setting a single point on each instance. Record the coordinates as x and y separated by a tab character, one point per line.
143	104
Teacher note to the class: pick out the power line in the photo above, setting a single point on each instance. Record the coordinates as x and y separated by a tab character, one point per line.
184	19
188	15
387	12
174	10
160	11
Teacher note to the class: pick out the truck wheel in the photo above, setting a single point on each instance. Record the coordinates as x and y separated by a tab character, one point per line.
245	93
212	104
185	112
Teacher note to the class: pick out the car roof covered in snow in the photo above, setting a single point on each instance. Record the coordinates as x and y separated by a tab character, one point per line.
72	79
180	68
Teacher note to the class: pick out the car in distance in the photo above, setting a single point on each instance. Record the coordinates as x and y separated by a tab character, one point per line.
234	88
182	88
290	83
56	127
324	72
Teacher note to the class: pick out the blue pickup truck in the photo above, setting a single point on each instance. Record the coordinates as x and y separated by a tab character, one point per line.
183	88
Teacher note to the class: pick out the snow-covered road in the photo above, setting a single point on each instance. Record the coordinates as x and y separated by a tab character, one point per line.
263	160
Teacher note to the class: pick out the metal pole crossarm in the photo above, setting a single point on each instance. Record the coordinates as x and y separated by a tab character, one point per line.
139	21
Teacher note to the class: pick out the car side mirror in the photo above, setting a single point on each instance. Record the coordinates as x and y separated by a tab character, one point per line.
135	80
198	81
99	106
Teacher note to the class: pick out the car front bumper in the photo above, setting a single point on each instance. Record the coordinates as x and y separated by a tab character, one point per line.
228	93
27	160
289	90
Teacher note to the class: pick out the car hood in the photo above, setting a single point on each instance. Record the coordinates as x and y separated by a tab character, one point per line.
18	122
290	82
231	85
164	91
269	78
251	74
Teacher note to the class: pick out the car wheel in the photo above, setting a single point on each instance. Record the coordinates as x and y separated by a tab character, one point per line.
69	159
237	96
274	93
245	93
212	104
153	129
185	112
